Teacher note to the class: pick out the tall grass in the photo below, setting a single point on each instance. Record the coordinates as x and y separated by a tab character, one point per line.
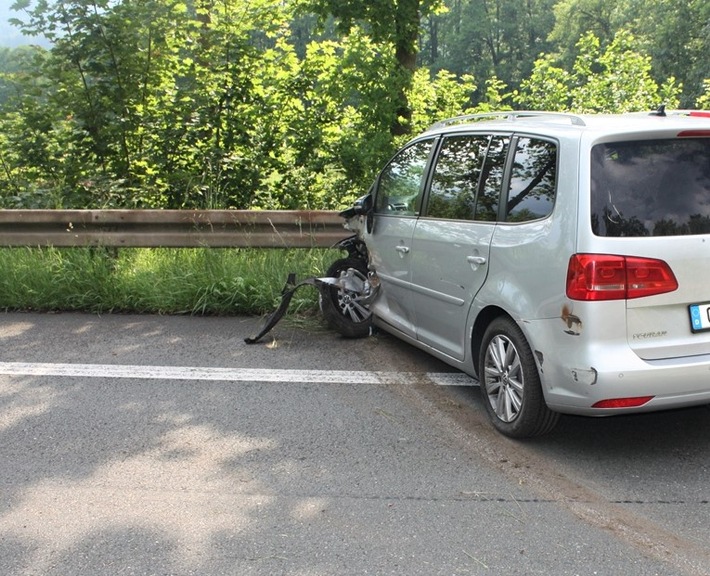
201	281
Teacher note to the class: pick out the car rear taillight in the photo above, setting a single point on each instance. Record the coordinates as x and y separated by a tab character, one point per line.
611	277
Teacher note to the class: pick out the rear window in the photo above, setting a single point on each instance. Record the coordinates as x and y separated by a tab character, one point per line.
651	188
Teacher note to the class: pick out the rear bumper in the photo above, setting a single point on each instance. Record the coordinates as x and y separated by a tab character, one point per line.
580	374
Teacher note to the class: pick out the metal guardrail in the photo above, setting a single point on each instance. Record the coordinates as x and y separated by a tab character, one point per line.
171	228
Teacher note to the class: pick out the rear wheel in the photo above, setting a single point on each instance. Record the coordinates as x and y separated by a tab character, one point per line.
344	305
510	383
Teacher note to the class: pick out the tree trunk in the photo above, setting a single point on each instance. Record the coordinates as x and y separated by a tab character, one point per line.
407	20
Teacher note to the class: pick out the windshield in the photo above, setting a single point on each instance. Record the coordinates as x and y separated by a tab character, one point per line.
651	188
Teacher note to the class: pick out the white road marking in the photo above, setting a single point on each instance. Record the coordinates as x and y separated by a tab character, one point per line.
231	374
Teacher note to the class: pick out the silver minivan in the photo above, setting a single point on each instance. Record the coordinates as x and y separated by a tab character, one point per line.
562	260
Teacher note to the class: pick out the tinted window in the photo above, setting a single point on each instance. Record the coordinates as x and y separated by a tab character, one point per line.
401	181
651	188
492	179
531	194
456	176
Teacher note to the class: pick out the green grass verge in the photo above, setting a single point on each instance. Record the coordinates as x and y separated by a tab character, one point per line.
203	281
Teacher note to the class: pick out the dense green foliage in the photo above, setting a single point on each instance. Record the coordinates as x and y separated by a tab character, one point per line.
295	104
159	281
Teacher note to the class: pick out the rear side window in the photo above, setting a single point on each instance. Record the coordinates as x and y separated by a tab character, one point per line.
456	176
651	188
533	180
492	179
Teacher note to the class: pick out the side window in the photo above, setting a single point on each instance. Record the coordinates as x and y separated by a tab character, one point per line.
400	183
492	179
533	180
456	177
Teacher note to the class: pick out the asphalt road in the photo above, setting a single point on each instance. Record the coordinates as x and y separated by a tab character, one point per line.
146	445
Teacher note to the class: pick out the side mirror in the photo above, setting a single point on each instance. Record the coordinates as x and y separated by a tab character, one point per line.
360	207
363	205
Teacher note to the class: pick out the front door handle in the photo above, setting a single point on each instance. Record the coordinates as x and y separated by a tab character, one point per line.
402	249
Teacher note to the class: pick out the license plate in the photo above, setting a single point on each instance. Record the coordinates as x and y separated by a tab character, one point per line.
699	317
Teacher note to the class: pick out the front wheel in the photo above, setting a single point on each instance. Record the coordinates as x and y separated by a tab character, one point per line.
510	383
345	303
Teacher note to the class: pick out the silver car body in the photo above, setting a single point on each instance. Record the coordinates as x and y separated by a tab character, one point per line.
444	279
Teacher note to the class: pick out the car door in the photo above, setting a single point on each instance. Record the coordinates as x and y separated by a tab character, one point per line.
451	241
397	203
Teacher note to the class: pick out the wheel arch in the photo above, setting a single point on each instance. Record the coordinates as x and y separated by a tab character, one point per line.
483	320
534	417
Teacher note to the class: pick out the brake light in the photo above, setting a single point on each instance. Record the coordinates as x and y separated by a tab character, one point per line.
623	402
694	134
595	277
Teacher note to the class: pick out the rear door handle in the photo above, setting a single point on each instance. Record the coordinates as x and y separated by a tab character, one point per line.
478	260
402	249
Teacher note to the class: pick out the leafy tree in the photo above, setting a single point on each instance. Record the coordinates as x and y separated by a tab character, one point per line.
677	37
703	101
617	79
488	38
547	88
439	96
99	77
233	104
674	34
577	18
199	104
13	61
394	23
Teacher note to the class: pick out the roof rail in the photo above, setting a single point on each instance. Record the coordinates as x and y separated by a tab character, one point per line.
511	116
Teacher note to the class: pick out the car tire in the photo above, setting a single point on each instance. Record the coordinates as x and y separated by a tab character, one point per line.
510	382
343	309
